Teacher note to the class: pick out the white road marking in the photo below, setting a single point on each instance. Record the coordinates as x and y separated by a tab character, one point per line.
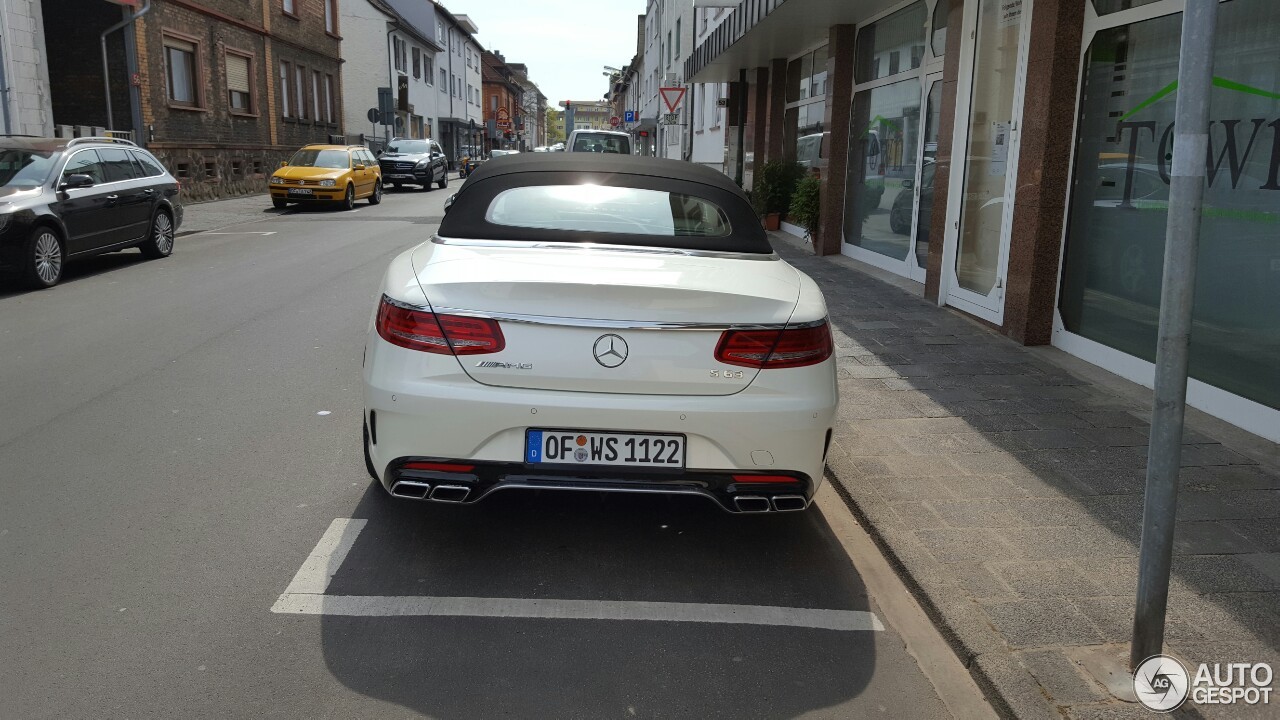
306	596
246	232
318	569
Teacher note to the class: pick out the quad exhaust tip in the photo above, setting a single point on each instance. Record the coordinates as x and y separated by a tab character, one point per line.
751	503
450	493
789	503
411	489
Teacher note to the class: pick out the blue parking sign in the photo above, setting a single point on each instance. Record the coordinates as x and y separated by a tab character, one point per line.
628	116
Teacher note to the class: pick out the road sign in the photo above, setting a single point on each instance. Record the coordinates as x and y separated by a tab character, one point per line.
628	116
615	121
671	96
671	119
373	115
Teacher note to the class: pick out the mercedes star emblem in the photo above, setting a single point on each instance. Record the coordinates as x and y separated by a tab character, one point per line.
610	350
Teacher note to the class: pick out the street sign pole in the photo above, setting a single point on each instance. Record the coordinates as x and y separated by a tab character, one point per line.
1182	237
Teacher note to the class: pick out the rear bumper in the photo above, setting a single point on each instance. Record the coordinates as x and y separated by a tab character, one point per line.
422	407
486	478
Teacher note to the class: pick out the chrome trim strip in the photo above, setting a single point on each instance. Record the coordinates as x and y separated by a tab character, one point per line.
599	323
589	247
617	324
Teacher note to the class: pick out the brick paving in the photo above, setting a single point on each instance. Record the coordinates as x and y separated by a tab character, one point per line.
1008	491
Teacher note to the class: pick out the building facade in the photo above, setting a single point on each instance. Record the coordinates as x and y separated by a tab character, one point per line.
503	103
459	85
532	127
389	52
25	106
1012	157
221	91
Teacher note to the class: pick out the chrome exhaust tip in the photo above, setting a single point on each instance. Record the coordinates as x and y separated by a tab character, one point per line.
751	503
410	489
789	503
450	493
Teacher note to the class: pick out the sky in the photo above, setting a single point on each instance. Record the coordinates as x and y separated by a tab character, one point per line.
565	43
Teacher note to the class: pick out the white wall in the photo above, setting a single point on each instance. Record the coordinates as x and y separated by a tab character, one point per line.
26	70
708	119
367	66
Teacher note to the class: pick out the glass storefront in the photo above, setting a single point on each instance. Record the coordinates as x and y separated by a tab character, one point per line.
892	143
1113	260
805	112
884	134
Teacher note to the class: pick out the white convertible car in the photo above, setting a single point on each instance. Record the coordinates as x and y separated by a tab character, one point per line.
605	323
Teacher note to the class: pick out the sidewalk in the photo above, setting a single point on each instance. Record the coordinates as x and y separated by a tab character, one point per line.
216	214
1005	483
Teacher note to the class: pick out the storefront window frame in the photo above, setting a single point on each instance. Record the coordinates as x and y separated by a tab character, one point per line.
806	81
930	65
1247	414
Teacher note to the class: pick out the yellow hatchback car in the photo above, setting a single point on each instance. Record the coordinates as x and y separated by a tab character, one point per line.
328	173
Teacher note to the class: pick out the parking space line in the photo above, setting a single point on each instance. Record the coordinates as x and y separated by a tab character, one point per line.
305	596
318	569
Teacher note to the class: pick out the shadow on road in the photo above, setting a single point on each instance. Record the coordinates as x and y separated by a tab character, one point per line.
563	545
76	270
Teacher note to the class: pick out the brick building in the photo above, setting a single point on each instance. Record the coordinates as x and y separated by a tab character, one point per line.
502	102
220	90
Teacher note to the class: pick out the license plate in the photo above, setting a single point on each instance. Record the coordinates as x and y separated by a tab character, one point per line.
569	447
301	191
400	177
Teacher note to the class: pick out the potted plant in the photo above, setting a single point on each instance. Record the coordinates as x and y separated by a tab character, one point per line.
774	186
806	204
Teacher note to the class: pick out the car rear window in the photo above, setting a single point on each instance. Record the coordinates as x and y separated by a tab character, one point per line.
605	209
602	144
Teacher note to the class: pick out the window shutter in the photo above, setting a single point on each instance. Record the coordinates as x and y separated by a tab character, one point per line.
180	45
237	73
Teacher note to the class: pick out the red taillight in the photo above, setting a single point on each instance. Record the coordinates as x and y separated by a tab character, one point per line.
792	347
426	331
438	467
764	479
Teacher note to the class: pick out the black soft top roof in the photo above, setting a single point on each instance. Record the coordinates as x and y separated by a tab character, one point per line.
466	217
604	163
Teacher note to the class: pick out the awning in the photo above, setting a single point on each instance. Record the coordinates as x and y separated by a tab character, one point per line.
759	31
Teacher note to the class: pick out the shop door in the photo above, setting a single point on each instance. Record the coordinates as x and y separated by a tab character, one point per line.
992	72
922	214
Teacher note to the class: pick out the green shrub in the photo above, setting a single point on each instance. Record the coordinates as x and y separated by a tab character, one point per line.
774	185
806	203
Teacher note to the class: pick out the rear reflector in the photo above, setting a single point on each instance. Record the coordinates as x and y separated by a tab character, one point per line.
791	347
438	467
426	331
764	479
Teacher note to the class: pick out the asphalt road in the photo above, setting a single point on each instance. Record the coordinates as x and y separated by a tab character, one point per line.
176	437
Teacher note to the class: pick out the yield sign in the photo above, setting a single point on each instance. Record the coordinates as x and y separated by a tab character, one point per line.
672	97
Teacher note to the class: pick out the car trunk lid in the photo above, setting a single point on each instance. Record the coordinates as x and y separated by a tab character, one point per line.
612	321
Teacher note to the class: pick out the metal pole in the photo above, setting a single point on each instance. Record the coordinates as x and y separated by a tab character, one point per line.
1182	237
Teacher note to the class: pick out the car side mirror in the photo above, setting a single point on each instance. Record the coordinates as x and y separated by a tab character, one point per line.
284	163
908	184
75	181
449	201
357	166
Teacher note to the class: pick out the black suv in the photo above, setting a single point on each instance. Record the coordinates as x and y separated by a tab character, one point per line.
62	199
414	162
